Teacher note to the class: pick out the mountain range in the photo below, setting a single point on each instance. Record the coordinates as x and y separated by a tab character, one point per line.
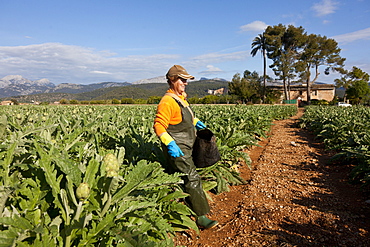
16	85
24	90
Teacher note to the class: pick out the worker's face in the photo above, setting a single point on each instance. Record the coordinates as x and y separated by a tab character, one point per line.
179	86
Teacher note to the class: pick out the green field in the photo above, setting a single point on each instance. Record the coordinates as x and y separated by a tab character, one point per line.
57	187
347	131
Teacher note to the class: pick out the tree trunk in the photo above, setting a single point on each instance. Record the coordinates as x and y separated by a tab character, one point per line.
308	91
264	76
285	90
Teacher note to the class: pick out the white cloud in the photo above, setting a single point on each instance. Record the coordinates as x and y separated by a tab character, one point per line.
75	64
254	26
363	34
325	7
211	70
100	72
67	63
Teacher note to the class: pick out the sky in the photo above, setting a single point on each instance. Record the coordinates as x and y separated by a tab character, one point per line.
91	41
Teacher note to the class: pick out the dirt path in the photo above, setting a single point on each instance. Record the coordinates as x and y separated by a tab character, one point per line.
294	197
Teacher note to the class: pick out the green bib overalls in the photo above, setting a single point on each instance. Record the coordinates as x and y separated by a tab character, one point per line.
184	136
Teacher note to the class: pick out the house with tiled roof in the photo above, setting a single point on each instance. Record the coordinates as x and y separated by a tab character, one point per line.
319	91
6	102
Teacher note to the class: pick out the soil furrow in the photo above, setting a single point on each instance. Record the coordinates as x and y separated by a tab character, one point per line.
294	197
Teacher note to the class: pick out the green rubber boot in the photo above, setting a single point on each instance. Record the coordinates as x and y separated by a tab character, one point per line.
206	223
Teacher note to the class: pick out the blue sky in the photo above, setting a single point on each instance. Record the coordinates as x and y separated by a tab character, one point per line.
89	41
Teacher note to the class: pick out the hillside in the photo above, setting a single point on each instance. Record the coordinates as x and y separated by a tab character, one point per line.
137	91
196	88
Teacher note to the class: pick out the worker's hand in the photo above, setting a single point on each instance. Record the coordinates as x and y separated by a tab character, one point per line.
173	149
199	125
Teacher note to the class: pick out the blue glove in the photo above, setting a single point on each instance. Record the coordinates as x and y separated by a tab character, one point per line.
173	149
199	125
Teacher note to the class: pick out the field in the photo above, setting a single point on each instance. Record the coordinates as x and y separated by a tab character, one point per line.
347	131
92	176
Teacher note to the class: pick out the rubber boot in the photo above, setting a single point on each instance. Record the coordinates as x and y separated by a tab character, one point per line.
206	223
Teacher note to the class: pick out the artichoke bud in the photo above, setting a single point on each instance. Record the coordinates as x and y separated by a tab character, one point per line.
111	173
235	168
111	165
83	191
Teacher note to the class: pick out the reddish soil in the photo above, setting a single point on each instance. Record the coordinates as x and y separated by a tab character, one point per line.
294	197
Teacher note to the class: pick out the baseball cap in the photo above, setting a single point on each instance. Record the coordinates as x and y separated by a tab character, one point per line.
178	70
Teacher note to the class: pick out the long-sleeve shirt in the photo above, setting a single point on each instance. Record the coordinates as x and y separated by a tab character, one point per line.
168	113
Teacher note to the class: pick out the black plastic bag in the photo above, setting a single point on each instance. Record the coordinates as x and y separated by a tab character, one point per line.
205	151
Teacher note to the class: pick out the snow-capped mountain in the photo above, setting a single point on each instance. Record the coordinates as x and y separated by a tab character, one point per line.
15	85
158	79
162	79
215	79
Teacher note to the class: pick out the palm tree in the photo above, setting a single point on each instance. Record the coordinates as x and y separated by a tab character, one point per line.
259	44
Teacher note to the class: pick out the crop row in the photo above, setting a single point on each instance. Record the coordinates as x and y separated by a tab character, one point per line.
92	175
347	131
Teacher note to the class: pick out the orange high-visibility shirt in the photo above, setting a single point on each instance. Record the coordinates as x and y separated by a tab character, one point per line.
168	112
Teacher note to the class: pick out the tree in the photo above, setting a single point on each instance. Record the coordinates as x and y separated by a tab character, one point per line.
247	88
358	92
154	99
238	86
284	45
259	44
116	101
294	52
15	102
64	101
127	101
210	99
356	85
318	51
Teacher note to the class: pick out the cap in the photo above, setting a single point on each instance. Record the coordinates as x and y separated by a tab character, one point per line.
178	70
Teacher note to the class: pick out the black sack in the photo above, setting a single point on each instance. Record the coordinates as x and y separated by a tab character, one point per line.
205	151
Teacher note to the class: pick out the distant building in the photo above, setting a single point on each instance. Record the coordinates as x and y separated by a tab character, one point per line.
220	91
319	91
7	102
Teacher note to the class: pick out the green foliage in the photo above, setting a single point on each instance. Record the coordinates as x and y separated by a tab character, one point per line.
56	191
116	101
209	99
347	130
358	92
127	101
154	99
98	102
246	88
284	44
46	153
319	102
356	84
64	101
297	55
